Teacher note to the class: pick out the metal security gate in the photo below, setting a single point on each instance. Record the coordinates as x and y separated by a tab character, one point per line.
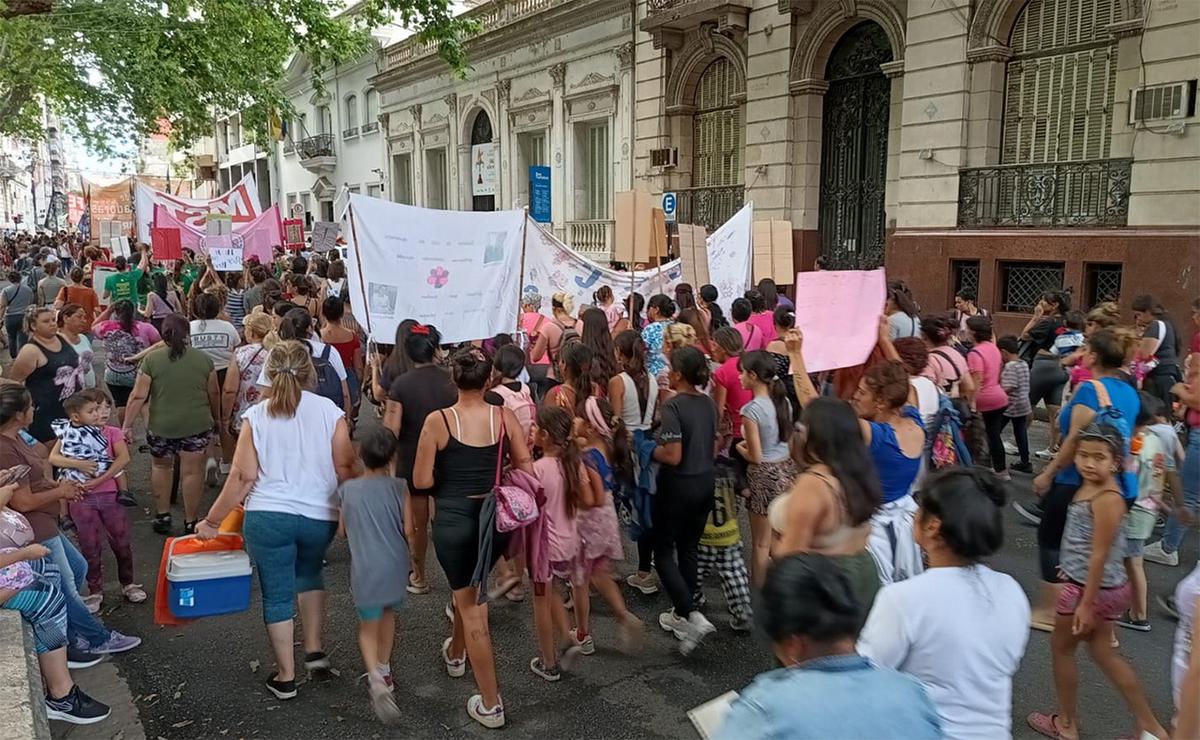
854	150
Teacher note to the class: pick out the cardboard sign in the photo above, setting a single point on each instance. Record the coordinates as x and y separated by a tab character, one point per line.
639	236
838	313
119	246
218	224
226	259
773	251
166	243
693	254
293	233
324	236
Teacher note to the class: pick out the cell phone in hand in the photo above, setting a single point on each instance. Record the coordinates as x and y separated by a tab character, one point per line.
13	474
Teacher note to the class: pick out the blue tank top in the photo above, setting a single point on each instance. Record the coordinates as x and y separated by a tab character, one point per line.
896	470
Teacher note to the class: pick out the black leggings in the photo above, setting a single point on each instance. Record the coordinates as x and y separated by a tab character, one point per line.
1054	520
681	509
645	546
1047	378
1020	432
1159	381
993	422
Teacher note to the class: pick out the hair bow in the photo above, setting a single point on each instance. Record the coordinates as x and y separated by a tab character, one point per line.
420	330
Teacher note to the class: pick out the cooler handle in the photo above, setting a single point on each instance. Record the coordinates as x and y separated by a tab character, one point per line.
171	548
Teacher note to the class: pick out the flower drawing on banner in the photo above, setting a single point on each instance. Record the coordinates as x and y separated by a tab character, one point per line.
438	277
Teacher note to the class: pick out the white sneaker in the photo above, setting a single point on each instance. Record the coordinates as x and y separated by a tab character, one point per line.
1010	448
1154	553
587	645
211	468
493	718
455	667
673	623
223	468
1046	454
698	628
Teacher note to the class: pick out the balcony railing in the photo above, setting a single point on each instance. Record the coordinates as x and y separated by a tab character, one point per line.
709	207
289	146
594	239
491	16
1087	193
320	145
350	133
370	126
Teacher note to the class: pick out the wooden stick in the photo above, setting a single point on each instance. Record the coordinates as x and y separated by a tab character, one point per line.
521	285
358	264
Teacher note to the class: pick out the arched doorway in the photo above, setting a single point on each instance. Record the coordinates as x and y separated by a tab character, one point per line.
716	147
854	149
483	164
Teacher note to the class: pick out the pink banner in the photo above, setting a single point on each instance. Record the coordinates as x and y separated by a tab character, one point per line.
259	236
240	203
838	313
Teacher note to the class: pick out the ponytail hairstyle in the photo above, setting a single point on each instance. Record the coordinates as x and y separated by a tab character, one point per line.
175	332
1060	299
563	302
938	328
290	370
576	360
689	362
761	365
693	318
598	413
556	423
123	311
784	318
634	306
685	298
708	294
631	351
602	295
296	325
508	362
1112	346
900	296
1149	304
398	362
729	340
664	305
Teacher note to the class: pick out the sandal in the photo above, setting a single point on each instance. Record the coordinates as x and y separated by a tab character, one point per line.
134	593
416	586
1047	724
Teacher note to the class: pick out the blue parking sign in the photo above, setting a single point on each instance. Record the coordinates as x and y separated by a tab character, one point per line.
669	202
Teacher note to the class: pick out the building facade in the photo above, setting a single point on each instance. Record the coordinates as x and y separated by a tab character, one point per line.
988	144
236	155
551	84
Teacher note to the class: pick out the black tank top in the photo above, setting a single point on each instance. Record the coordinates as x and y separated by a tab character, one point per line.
51	384
462	470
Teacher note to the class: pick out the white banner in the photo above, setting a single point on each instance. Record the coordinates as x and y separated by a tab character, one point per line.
240	203
551	266
457	270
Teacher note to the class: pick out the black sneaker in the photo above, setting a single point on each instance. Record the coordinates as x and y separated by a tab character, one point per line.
77	708
1141	625
1022	467
125	498
1032	514
190	527
162	524
78	659
283	690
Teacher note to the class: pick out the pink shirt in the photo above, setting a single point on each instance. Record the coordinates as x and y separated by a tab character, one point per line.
728	377
752	337
946	368
765	322
562	536
985	360
113	435
529	320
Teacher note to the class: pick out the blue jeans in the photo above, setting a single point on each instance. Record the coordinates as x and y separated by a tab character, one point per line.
1190	476
14	326
72	571
289	552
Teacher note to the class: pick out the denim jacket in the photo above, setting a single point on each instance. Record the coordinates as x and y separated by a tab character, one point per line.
840	696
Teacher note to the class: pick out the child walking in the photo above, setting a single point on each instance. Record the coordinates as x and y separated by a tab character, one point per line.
607	457
1095	589
93	454
1014	379
766	430
1158	450
372	515
720	549
568	491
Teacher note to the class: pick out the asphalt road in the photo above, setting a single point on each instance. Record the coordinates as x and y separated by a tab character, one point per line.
206	680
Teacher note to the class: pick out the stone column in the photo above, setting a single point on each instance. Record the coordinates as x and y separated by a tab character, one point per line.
622	142
506	146
558	149
418	157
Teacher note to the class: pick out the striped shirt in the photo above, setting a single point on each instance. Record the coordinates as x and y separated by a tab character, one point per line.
1014	379
235	306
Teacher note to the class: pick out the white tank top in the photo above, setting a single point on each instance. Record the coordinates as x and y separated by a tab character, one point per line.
631	412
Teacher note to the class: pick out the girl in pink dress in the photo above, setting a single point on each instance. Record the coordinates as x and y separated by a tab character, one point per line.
607	457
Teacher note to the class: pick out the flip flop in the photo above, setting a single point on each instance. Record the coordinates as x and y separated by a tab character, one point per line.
1046	724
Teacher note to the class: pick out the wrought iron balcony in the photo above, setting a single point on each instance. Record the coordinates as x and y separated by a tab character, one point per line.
370	126
320	145
1061	194
350	133
709	207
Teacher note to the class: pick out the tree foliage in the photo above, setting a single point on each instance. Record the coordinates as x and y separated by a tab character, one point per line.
112	70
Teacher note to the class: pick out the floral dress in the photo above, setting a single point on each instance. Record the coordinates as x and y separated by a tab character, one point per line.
250	360
599	531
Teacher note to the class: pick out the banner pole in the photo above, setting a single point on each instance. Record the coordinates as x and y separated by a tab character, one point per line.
358	264
521	283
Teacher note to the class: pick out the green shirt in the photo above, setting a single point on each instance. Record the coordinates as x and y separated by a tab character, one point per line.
178	393
188	275
123	286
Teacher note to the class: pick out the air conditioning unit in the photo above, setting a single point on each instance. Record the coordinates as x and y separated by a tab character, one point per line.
665	157
1162	102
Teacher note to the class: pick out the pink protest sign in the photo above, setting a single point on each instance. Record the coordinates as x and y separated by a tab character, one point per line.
838	313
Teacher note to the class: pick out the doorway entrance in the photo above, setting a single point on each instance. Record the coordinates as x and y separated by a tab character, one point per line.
854	150
481	143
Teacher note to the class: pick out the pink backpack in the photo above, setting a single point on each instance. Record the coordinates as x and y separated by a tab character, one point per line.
522	405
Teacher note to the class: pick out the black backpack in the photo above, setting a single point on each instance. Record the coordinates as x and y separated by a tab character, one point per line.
329	384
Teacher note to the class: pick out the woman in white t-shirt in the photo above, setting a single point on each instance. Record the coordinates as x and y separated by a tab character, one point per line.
959	627
289	466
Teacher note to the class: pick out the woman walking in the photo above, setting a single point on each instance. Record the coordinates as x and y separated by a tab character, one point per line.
49	368
289	465
991	400
1047	376
124	338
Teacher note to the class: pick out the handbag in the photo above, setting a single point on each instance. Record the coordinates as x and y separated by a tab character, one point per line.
515	506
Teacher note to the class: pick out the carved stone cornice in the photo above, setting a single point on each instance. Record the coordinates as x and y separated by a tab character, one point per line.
503	90
558	74
1126	29
892	69
808	86
991	53
625	54
451	101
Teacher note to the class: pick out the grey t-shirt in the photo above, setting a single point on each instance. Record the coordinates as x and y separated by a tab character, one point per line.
372	510
48	289
901	325
19	297
761	411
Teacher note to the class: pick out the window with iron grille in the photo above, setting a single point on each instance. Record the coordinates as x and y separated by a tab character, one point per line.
965	274
1060	82
1022	283
717	128
1101	283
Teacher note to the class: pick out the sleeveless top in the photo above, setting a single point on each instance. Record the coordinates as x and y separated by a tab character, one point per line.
347	350
777	517
631	412
463	470
52	383
1078	541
